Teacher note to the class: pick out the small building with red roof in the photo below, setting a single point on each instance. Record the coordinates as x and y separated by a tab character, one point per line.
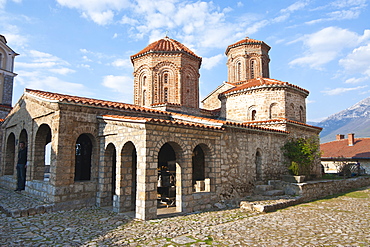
350	150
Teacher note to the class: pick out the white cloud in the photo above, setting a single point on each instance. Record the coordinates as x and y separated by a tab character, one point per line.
124	63
337	91
354	80
122	84
209	63
99	11
325	46
295	6
40	81
358	61
62	71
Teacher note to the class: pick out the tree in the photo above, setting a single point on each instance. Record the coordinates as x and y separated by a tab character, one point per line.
302	153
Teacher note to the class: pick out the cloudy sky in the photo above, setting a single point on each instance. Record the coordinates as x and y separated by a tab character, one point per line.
82	47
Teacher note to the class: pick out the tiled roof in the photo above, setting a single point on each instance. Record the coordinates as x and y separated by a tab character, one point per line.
261	82
281	120
163	121
165	45
1	120
340	148
89	101
247	41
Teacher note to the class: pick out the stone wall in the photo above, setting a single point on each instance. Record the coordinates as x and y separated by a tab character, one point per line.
211	102
313	190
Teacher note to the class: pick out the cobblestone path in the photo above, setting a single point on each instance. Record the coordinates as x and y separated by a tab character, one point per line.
343	220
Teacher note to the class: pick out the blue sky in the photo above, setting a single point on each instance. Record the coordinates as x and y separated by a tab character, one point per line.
82	47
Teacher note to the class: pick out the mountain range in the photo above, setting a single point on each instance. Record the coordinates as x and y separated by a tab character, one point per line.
355	119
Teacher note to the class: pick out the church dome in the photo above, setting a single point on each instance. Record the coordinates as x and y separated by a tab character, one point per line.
165	45
247	41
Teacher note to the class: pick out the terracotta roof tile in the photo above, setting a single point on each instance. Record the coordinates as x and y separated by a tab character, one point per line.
6	106
89	101
334	149
247	41
281	120
165	45
164	121
261	82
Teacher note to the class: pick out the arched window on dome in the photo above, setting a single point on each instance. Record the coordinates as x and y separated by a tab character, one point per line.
144	81
253	68
1	60
301	114
165	95
144	97
254	113
238	71
165	78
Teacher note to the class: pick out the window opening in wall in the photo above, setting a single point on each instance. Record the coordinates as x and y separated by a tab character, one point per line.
238	71
83	152
1	60
144	81
165	95
252	69
254	112
10	155
166	188
165	78
200	183
144	97
47	161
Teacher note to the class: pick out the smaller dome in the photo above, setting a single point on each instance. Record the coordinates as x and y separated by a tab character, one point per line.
165	45
247	41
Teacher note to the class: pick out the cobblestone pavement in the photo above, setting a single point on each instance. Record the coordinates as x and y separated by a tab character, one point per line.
339	221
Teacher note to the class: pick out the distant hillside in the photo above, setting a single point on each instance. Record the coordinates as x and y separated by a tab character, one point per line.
355	119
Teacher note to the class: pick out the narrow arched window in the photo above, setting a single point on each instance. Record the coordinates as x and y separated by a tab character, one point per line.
253	65
1	60
254	112
144	81
238	71
165	96
144	97
165	78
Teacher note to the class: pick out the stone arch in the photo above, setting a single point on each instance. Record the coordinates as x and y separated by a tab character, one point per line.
274	111
40	168
201	168
23	136
252	113
253	68
258	165
3	58
190	87
166	70
83	157
10	155
128	178
169	186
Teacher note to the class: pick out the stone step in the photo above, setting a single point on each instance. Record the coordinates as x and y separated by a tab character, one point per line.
263	187
273	193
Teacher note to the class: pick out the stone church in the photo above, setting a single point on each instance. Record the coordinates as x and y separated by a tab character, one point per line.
162	150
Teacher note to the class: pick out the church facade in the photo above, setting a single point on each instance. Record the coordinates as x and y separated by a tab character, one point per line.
164	148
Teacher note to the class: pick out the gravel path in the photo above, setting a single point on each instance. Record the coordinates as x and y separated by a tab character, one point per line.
339	221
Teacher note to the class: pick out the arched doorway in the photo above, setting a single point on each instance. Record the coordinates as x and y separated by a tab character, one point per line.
41	164
10	155
166	189
129	176
258	163
83	158
198	164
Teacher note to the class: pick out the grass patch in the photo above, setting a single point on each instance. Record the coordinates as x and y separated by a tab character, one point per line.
357	194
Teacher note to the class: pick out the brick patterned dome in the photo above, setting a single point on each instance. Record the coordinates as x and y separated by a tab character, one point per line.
165	45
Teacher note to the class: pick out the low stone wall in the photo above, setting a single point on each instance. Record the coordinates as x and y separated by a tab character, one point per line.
312	190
